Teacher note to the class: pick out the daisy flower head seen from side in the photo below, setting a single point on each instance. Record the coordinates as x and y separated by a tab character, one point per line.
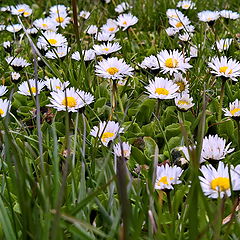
88	55
58	9
224	67
150	62
51	39
162	88
167	176
214	148
3	90
70	100
105	37
216	182
106	131
208	16
184	102
122	149
17	63
4	107
223	44
186	5
126	20
29	87
173	61
113	68
106	48
84	14
58	52
234	110
54	84
92	29
15	76
122	7
14	28
229	14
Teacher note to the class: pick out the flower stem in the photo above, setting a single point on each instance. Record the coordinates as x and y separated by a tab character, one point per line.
114	99
238	126
169	201
158	109
221	101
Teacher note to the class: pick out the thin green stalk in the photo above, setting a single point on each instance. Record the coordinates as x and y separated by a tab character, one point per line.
238	128
221	100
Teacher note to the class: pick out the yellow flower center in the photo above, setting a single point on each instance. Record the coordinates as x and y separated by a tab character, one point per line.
224	69
171	63
182	102
106	49
33	89
186	6
106	135
26	13
112	70
125	23
58	87
1	112
209	19
69	102
222	183
181	86
162	91
179	24
44	25
164	180
173	16
111	29
52	41
59	19
225	45
21	10
235	111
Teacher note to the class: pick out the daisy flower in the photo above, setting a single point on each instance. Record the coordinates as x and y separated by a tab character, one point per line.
20	9
58	52
113	68
51	39
181	82
4	107
150	62
185	37
111	27
45	24
105	49
17	63
193	51
173	61
106	131
70	99
92	29
32	31
167	176
224	67
162	88
122	149
229	14
234	109
3	90
7	46
58	9
171	31
15	76
216	182
174	14
186	5
223	44
28	87
126	20
208	16
84	14
2	27
214	148
88	55
54	84
60	19
122	7
104	37
14	28
179	23
184	102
